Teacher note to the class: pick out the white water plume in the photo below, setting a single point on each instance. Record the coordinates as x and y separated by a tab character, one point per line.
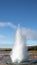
19	51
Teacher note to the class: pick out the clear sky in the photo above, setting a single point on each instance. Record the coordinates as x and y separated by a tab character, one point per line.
23	12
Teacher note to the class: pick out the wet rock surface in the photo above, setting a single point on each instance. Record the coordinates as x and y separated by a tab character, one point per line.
2	63
6	60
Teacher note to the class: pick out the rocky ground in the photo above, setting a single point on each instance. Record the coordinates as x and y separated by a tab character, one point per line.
2	63
6	60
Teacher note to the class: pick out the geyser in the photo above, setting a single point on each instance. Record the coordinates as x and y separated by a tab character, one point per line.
19	52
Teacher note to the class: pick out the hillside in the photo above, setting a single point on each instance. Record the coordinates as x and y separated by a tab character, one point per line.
30	48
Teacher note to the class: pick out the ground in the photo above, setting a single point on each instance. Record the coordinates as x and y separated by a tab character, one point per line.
6	60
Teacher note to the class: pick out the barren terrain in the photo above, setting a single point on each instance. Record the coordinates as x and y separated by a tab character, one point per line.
6	60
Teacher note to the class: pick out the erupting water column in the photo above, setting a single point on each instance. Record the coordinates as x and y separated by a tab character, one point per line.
19	51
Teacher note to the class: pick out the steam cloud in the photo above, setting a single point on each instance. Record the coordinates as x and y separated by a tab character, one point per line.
19	52
30	34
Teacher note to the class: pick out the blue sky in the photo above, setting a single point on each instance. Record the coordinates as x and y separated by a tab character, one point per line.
23	12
